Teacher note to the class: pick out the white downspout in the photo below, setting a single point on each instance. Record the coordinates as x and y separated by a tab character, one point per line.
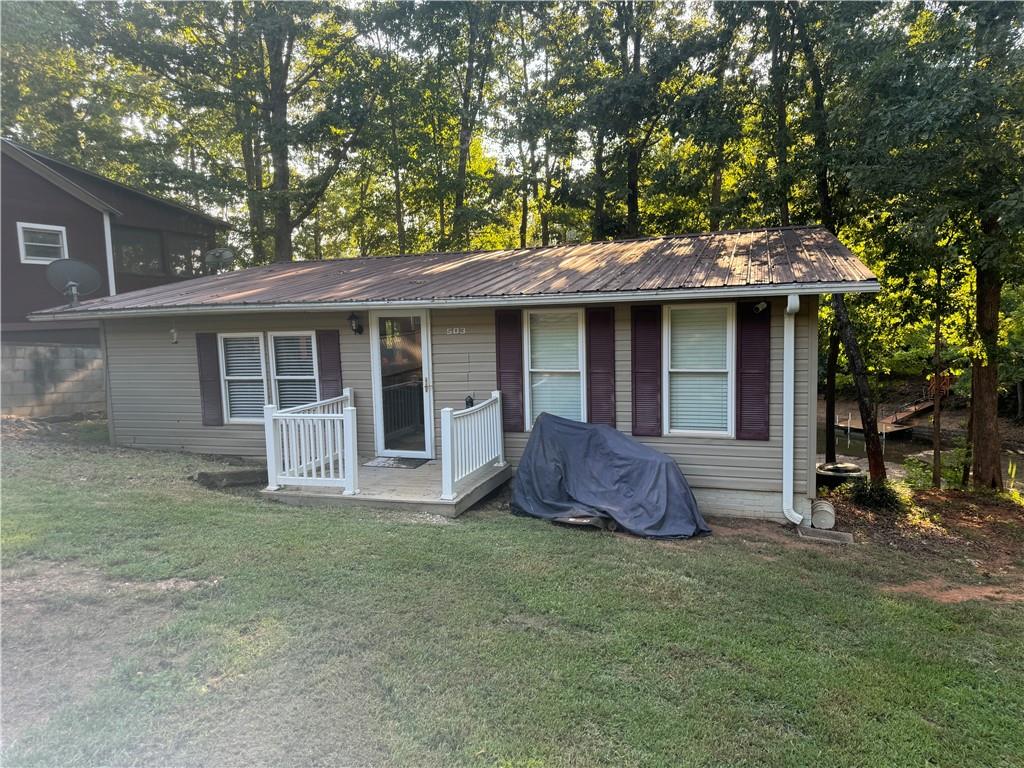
788	407
109	243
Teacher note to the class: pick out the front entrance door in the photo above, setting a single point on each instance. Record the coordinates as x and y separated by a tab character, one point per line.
403	411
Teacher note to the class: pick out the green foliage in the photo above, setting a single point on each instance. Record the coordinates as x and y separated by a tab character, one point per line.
890	496
417	127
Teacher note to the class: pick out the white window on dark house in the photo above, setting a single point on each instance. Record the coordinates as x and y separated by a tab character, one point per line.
294	366
242	371
554	362
41	243
699	350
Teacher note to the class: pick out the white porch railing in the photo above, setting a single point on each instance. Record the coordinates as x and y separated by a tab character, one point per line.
313	444
470	439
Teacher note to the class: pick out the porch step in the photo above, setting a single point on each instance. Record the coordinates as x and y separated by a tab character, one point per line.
376	492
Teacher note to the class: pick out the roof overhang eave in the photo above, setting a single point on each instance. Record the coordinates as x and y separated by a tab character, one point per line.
606	297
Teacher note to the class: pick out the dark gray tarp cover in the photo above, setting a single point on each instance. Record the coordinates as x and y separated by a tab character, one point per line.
570	468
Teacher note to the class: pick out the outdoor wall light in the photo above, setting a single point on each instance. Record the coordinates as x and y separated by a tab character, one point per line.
760	307
357	327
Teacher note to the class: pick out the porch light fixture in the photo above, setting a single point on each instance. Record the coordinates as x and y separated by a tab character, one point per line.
760	307
357	327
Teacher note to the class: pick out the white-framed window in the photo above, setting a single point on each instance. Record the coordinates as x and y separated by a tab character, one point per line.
243	377
554	360
41	243
698	354
293	365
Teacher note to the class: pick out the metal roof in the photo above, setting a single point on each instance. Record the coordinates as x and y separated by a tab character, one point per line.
807	260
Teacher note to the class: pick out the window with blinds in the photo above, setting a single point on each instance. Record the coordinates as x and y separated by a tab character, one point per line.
242	371
294	368
699	355
554	354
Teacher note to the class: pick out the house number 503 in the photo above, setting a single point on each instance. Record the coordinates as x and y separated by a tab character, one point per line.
455	331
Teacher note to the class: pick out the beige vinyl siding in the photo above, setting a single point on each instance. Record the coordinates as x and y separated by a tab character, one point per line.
154	383
464	363
727	463
154	390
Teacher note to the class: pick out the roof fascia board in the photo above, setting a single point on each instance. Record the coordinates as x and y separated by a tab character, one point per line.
684	294
63	182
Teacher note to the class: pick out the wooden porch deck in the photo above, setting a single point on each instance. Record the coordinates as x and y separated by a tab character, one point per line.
417	489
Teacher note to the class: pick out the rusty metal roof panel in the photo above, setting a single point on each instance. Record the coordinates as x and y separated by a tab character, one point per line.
762	258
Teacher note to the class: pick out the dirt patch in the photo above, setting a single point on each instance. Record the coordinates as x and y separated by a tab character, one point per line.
985	530
64	626
942	591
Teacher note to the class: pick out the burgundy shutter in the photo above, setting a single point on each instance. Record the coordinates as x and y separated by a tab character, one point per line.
508	338
208	355
601	365
753	370
646	350
328	353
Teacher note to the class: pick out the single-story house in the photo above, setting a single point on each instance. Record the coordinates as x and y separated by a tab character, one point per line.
345	373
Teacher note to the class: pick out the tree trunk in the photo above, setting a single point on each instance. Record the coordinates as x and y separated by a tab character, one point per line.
524	215
872	443
965	475
778	77
831	363
987	461
936	385
633	191
1020	401
819	121
599	226
717	168
478	64
278	44
396	178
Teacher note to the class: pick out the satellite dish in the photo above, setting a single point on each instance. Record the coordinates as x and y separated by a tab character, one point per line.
219	258
73	278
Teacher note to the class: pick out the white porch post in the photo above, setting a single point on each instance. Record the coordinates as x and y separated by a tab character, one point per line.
273	448
351	453
447	465
496	394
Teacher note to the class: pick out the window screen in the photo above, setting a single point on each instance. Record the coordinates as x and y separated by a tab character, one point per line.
137	251
698	369
185	254
244	386
554	377
294	369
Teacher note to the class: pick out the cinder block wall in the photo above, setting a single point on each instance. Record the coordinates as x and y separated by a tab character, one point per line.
40	380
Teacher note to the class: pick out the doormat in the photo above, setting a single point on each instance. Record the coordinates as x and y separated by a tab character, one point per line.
395	462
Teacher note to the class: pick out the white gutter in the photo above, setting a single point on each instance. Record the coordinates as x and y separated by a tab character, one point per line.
594	297
788	406
109	242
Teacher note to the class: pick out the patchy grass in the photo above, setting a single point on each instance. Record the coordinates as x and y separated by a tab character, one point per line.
150	621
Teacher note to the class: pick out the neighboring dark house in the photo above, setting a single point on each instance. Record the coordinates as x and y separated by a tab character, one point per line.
52	210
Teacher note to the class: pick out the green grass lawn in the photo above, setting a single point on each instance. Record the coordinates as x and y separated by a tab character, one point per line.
150	621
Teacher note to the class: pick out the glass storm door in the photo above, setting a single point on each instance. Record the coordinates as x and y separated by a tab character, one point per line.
402	403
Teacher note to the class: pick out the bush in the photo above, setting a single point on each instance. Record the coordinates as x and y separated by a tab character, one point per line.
889	496
919	472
